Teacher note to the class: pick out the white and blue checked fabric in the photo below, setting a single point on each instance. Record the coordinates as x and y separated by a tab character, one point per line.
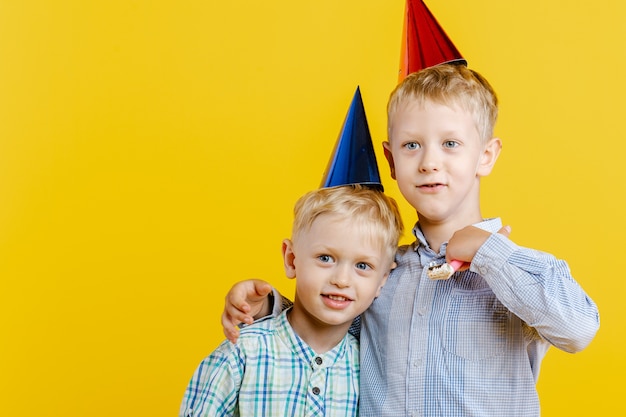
471	345
272	372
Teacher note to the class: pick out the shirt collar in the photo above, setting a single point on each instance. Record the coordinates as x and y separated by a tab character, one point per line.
304	351
491	225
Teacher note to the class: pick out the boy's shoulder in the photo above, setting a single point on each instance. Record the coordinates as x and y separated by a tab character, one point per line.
268	331
404	249
262	327
405	257
255	337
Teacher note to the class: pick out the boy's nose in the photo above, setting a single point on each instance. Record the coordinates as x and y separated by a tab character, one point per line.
340	278
429	161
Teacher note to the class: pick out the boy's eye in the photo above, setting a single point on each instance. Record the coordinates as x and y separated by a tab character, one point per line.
363	266
412	146
325	258
450	144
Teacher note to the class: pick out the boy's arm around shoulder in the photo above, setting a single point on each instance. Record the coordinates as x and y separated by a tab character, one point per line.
215	384
248	301
539	289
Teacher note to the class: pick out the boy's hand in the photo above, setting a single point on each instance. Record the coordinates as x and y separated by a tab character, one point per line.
245	301
465	243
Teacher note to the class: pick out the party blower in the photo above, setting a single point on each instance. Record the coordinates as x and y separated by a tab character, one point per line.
444	270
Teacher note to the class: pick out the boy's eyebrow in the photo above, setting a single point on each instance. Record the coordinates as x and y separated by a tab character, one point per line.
405	131
328	247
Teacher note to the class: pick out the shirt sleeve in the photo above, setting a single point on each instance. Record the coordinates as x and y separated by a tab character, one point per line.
214	387
539	289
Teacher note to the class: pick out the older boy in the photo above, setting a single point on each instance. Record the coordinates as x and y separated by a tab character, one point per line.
471	345
304	362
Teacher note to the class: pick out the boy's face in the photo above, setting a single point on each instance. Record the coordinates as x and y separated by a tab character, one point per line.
340	269
436	155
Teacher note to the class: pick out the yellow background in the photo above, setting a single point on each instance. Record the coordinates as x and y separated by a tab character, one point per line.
151	153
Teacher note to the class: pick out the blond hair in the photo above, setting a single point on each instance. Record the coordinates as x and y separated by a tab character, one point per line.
367	207
450	85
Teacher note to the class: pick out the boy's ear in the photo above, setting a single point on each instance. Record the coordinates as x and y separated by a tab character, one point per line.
389	157
289	258
489	156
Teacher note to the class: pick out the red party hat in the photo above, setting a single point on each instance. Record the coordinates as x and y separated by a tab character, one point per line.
424	42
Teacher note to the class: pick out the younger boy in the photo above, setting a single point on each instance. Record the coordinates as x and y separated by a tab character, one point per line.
471	345
304	362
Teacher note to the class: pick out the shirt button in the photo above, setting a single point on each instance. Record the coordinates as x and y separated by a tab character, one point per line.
318	360
316	391
421	311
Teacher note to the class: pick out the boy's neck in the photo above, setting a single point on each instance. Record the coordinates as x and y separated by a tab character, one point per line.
320	337
437	234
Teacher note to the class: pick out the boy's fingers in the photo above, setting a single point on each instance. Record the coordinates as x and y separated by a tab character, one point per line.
505	231
464	266
236	314
261	288
231	332
236	300
243	292
238	305
230	326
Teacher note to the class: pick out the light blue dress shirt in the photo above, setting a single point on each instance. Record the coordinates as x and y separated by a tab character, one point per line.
471	345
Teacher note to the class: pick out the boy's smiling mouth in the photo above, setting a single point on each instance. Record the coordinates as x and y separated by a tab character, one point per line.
336	301
432	185
337	297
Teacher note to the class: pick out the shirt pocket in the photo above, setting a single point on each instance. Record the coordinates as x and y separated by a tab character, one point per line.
475	325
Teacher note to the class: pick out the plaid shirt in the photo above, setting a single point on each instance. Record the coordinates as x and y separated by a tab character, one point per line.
272	372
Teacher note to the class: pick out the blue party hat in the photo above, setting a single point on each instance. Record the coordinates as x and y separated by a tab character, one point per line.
353	160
